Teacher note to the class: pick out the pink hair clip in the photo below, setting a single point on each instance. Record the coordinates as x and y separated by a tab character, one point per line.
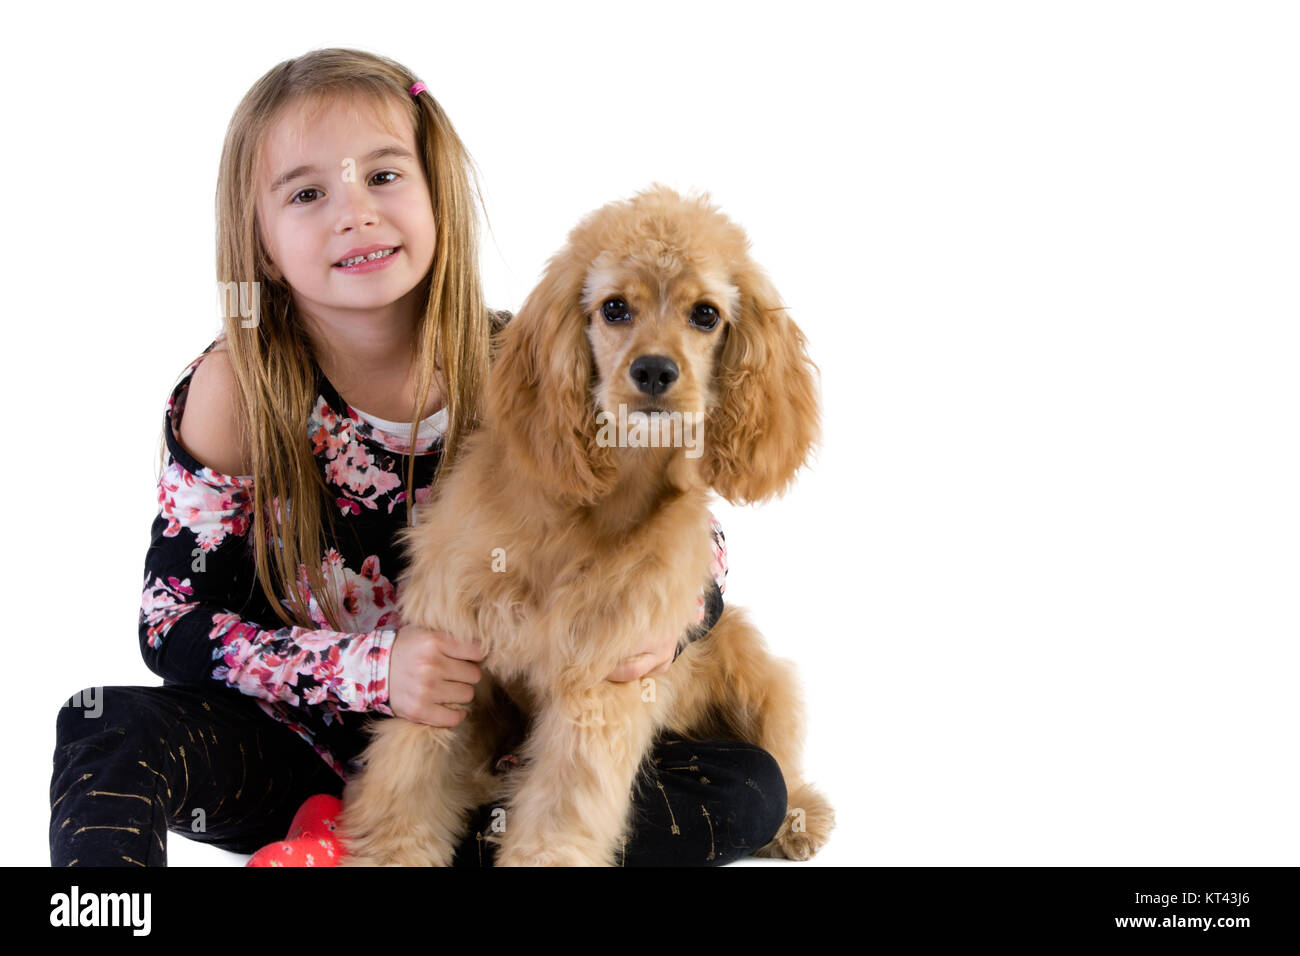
418	88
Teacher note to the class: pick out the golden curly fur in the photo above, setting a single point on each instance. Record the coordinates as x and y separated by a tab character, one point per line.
602	546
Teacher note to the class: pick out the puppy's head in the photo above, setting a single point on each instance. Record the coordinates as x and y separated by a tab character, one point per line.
654	306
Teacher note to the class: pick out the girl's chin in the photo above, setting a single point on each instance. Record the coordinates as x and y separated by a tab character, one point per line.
374	296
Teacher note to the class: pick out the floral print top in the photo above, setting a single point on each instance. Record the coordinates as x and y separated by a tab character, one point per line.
205	619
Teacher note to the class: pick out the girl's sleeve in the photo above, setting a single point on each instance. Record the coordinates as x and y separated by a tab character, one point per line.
711	597
200	576
719	568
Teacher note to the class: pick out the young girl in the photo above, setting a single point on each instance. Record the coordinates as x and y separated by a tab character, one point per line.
347	251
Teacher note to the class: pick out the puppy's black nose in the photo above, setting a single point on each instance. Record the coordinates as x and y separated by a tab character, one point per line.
653	373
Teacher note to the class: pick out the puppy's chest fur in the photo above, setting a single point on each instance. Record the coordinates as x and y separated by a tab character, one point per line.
555	603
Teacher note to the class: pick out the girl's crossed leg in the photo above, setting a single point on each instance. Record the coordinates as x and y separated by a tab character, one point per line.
218	770
144	760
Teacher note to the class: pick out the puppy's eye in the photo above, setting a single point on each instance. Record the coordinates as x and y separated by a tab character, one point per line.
615	310
704	316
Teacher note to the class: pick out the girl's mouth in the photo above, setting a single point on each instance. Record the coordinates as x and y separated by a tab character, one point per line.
379	259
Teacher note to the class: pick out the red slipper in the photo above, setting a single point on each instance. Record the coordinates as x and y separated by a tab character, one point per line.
311	840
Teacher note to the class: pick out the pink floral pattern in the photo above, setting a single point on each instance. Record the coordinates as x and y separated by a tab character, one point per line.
209	505
363	478
719	567
366	599
163	605
332	669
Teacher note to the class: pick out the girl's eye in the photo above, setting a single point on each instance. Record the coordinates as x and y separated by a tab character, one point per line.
615	310
299	201
704	316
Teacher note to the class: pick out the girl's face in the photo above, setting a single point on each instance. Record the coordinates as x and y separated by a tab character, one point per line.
339	187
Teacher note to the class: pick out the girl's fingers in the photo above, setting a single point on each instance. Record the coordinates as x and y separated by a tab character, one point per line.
453	692
453	646
631	668
440	716
460	671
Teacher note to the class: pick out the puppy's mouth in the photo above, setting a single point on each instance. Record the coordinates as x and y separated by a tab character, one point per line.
655	408
621	407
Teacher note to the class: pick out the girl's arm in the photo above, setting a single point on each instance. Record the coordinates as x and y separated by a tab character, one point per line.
202	611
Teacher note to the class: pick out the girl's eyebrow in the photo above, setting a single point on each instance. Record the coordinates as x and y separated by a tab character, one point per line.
298	171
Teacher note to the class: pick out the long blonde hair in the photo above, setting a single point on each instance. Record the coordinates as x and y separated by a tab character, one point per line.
273	359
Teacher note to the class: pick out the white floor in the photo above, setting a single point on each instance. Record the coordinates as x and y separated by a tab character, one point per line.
185	852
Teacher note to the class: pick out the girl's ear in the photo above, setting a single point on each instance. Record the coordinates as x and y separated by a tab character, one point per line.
768	418
539	392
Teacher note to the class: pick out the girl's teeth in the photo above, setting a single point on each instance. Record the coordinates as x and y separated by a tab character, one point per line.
381	253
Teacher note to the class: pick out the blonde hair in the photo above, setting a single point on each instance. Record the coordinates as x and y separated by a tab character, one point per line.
272	360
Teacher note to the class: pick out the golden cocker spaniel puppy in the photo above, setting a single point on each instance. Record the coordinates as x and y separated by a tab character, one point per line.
561	540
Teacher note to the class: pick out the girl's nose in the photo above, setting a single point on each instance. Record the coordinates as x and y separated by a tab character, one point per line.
356	208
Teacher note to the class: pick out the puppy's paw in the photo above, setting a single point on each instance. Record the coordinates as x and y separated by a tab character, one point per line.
403	857
390	848
806	828
536	856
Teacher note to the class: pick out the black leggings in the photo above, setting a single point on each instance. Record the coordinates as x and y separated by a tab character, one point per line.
217	769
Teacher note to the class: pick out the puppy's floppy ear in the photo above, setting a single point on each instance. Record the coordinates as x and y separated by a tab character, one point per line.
767	419
539	389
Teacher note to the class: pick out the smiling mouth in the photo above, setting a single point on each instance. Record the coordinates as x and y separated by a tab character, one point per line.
358	260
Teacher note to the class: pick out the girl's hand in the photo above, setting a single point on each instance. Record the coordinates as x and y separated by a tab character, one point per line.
427	670
651	659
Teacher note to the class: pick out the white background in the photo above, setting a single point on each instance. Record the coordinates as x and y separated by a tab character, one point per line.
1041	581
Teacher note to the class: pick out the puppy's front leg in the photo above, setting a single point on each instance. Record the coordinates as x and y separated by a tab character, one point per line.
574	794
410	804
